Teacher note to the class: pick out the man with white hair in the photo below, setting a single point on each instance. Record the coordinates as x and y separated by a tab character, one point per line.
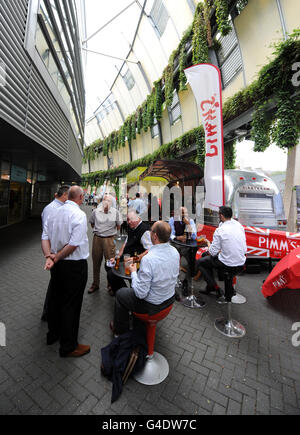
138	242
66	249
105	221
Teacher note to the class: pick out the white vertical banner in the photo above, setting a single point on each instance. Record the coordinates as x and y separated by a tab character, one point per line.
205	81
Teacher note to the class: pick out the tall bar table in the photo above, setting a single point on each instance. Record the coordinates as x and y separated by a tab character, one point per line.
191	301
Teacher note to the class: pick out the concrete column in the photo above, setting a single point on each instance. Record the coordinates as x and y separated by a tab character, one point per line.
292	179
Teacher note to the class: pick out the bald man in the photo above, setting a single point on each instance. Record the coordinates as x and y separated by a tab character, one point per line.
153	286
66	249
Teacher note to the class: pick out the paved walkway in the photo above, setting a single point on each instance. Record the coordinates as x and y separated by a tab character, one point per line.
209	373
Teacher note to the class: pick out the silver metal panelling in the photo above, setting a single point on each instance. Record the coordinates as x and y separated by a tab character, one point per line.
25	100
43	113
231	66
14	93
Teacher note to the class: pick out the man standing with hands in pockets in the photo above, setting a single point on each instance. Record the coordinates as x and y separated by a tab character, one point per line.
66	249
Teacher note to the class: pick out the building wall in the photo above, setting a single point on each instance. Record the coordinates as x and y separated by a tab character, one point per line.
257	27
26	102
39	142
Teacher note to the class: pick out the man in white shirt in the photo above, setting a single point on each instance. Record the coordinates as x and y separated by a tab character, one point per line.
66	249
60	198
153	286
138	204
227	252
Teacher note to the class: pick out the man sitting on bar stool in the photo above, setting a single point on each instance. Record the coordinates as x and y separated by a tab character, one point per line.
226	253
153	287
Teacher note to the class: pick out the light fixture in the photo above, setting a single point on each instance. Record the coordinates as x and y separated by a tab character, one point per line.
240	132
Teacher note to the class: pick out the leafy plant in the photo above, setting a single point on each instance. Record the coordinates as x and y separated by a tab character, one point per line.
222	16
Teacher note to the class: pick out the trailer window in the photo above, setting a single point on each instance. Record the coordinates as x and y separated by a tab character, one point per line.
256	201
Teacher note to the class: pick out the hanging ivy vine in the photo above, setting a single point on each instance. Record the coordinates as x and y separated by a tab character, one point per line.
199	40
158	100
222	16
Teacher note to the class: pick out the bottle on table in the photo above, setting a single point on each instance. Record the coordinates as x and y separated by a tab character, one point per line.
117	265
136	260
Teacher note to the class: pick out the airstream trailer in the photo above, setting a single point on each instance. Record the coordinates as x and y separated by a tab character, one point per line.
254	198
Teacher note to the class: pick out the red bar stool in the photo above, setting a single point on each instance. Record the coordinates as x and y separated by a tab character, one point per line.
156	368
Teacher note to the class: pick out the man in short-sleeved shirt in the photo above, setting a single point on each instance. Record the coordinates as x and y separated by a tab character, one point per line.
61	197
66	249
105	221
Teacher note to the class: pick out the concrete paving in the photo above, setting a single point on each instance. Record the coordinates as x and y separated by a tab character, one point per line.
211	374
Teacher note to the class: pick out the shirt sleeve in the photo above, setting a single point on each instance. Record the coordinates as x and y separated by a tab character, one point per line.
141	282
194	230
146	240
45	235
79	230
173	234
92	218
215	247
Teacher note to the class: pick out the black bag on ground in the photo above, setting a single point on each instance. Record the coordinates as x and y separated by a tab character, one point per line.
123	357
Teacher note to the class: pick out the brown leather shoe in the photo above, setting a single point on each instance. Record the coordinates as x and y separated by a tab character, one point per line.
92	289
80	350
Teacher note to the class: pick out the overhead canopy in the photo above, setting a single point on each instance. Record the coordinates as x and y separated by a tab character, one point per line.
174	170
134	176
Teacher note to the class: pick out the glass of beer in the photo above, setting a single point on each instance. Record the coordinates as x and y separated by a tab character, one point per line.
200	239
127	263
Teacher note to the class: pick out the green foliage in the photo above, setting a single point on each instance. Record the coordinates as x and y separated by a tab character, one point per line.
260	132
222	16
168	81
199	40
286	132
139	123
158	100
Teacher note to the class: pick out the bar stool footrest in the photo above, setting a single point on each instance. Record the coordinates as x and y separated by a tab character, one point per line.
155	371
231	328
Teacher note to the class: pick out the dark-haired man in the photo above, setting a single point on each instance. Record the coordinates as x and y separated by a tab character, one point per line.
153	287
60	197
227	250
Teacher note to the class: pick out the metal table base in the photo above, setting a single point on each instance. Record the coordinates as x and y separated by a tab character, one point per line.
193	302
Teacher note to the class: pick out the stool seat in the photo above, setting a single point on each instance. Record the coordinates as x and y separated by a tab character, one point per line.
156	368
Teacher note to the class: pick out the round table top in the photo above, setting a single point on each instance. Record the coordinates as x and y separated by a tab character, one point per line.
192	244
121	271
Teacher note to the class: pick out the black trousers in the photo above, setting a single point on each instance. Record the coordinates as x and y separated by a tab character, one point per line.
208	264
115	281
68	281
127	302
